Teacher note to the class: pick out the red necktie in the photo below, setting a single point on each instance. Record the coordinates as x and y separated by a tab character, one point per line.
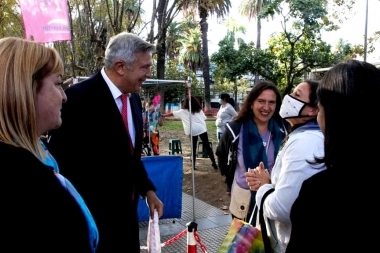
124	114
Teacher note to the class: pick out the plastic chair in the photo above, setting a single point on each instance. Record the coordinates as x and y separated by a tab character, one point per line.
175	146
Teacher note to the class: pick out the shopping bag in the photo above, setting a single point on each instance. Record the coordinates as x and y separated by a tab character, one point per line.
153	239
242	237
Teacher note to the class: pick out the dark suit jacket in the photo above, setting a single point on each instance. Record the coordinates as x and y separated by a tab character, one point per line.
37	213
92	150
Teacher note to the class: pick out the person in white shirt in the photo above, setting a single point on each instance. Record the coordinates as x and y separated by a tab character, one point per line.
225	114
198	126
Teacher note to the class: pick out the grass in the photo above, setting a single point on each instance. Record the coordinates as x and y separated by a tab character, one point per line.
177	125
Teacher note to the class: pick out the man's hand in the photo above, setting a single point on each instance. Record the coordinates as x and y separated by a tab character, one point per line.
154	203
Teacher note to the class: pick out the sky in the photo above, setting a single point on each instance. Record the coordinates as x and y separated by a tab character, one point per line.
352	30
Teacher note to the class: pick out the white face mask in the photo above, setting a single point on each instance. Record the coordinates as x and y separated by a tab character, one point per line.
292	107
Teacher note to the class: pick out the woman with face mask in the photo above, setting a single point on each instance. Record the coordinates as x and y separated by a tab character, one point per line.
303	143
225	114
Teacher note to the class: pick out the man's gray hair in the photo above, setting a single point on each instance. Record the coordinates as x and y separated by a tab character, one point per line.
125	46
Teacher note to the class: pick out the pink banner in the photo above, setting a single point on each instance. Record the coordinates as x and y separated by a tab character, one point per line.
46	20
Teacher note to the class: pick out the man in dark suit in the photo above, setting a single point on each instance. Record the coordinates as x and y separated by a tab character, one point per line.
98	147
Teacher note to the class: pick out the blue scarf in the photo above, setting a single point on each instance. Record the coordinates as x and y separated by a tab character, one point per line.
254	151
253	148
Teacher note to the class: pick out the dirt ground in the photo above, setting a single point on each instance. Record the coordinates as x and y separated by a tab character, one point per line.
208	183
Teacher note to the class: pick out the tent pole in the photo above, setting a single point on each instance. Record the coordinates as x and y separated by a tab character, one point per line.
188	84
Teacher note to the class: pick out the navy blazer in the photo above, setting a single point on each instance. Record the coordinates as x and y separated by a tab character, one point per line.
37	213
92	150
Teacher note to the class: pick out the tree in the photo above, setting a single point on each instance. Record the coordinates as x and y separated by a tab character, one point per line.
93	22
123	14
372	41
230	61
264	63
252	9
205	8
163	16
190	54
10	19
173	38
298	48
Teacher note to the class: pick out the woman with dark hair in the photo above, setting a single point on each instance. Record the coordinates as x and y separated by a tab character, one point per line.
198	126
348	99
225	114
291	168
259	127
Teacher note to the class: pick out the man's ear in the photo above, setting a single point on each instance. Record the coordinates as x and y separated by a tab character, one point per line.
119	67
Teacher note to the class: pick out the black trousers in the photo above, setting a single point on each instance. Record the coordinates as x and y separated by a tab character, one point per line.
205	141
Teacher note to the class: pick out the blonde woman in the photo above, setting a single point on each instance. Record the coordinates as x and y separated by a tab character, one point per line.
41	210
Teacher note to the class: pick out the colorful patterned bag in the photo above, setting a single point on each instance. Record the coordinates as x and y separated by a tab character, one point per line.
242	237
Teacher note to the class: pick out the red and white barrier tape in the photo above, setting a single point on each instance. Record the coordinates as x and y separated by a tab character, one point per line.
170	241
179	236
198	239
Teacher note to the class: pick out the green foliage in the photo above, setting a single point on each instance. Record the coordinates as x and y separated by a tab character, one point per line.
263	62
177	34
345	51
227	59
191	53
297	56
373	40
222	86
298	47
342	10
10	19
231	62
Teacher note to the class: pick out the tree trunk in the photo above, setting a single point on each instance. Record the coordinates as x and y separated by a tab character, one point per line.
258	44
258	39
205	60
72	43
161	48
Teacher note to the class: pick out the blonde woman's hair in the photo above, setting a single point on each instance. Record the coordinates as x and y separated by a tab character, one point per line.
23	66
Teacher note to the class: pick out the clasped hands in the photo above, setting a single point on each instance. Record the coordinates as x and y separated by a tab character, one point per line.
257	177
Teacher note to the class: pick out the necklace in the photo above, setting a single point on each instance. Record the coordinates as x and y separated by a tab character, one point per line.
266	140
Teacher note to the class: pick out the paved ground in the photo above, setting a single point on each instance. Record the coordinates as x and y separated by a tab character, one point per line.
213	224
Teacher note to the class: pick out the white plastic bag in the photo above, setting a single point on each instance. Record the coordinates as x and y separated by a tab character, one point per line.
154	240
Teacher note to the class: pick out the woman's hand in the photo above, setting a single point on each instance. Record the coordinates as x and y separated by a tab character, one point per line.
257	177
